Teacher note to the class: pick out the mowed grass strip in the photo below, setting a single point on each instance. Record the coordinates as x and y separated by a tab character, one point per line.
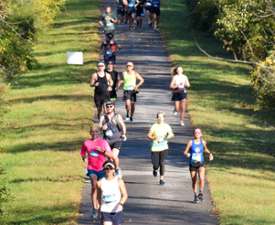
221	102
49	115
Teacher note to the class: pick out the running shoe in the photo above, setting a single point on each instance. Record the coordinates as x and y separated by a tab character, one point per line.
94	215
175	113
196	199
181	123
155	173
127	118
118	173
200	196
162	182
131	118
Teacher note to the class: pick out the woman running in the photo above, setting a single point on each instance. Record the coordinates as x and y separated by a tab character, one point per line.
113	195
194	151
178	84
159	134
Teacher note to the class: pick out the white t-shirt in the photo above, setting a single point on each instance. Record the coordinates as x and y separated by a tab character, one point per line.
181	81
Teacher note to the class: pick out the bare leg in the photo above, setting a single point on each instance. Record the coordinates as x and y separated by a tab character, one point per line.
94	196
202	178
194	181
128	107
132	108
182	109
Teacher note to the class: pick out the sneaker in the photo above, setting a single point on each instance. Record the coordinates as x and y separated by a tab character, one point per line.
127	118
161	182
94	215
200	196
155	173
196	199
175	113
131	118
181	123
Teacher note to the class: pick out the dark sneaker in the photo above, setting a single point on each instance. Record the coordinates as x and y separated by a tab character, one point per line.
196	199
131	118
200	196
155	173
94	215
161	182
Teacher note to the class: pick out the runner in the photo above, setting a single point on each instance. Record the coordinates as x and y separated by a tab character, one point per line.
96	150
103	83
154	17
115	78
159	133
114	129
131	88
140	13
113	195
178	84
121	10
131	14
195	150
109	49
108	21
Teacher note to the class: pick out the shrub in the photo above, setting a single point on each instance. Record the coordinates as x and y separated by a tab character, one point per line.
263	81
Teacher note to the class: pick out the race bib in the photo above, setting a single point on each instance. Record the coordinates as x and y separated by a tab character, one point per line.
109	198
109	133
94	154
196	157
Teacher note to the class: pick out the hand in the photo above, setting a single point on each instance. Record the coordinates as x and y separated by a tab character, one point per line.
96	84
187	155
123	137
109	88
211	157
99	149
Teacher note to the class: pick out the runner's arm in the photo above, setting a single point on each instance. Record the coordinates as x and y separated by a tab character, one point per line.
122	124
173	83
187	149
187	83
123	191
151	135
120	82
140	79
83	152
211	157
110	80
93	80
170	133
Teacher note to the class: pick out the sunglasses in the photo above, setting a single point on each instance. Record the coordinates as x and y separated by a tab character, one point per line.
109	168
109	106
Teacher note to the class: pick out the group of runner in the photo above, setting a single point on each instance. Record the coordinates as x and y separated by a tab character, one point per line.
101	151
133	12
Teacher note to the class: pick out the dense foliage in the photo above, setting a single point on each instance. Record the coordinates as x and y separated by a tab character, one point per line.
19	22
246	29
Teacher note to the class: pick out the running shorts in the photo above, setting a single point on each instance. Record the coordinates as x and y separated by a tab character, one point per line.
196	167
178	96
99	174
155	10
116	145
132	95
100	100
116	218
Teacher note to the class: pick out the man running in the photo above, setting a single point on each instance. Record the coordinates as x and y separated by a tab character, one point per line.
113	127
103	83
131	88
96	150
108	21
115	78
131	13
155	13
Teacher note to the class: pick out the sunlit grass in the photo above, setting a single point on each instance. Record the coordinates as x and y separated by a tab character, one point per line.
221	102
50	110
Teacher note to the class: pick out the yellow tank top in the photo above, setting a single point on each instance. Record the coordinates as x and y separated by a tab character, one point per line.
129	81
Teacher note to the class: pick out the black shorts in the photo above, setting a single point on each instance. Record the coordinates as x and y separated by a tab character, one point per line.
178	96
115	218
196	167
100	100
130	95
155	10
116	144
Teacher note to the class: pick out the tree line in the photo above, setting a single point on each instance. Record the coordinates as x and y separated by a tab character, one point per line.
246	29
20	23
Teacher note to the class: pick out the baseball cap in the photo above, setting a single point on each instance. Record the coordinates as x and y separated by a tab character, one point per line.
130	64
109	103
101	64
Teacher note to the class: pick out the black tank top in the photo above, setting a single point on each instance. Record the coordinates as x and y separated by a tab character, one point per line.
102	88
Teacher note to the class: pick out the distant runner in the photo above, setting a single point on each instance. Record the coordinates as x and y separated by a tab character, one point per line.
179	85
195	152
113	195
102	82
108	21
96	150
115	78
159	133
131	88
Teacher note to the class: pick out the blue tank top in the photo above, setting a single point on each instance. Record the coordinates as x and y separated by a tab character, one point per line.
196	153
156	3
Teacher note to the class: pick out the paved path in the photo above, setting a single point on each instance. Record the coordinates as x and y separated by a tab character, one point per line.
150	203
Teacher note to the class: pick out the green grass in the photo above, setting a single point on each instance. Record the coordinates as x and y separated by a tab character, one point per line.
221	102
49	114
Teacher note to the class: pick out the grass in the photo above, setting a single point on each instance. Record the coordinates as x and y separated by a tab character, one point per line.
48	118
221	102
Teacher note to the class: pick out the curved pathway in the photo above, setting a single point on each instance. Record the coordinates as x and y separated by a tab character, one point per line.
150	203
